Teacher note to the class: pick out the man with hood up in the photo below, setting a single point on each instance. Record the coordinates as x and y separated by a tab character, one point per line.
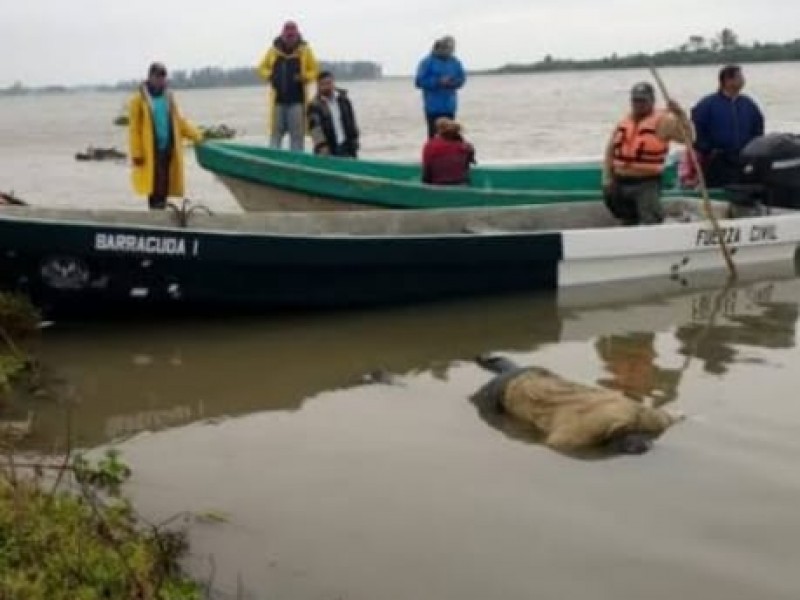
289	66
440	75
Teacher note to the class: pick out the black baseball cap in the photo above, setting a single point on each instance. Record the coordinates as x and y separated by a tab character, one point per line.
643	91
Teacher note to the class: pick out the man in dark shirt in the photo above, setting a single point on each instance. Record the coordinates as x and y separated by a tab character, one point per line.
725	122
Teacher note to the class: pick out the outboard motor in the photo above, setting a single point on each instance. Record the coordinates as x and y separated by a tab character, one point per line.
770	178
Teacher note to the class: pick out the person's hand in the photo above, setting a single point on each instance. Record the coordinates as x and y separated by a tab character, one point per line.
676	109
446	81
138	162
324	150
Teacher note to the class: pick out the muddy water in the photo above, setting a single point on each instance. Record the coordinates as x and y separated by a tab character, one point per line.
337	489
544	116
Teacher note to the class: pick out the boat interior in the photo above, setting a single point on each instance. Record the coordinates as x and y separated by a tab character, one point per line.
473	221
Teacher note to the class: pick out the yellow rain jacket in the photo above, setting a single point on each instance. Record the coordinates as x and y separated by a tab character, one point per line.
143	144
279	67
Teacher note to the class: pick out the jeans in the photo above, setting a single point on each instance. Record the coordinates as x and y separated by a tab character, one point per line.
289	119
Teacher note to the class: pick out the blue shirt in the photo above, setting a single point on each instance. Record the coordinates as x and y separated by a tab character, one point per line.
726	124
440	99
161	121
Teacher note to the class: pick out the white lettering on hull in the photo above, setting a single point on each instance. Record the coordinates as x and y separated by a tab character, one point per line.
735	235
145	244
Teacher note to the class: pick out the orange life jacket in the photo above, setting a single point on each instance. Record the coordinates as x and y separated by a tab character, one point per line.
637	148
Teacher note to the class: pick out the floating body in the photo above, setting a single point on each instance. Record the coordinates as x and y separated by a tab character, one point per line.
571	416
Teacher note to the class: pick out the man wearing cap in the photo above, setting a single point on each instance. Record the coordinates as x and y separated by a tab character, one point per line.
156	133
636	156
440	75
289	66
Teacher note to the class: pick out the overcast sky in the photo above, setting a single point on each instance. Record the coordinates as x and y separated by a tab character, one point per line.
98	41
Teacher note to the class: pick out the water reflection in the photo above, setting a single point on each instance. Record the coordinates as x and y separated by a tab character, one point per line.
763	316
128	379
631	363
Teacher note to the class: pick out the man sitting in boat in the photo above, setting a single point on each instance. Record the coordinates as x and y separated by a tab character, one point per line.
332	120
636	157
447	157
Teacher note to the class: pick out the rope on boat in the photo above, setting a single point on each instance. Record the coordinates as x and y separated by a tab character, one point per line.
686	134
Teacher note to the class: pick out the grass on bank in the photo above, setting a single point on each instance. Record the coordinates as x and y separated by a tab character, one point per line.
65	531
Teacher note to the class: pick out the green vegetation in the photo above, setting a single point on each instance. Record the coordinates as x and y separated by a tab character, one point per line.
212	77
66	533
19	320
73	544
723	48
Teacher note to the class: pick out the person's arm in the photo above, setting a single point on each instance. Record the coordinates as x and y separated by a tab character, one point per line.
460	76
318	141
310	66
135	140
608	160
425	79
701	119
266	65
758	126
426	164
188	130
675	126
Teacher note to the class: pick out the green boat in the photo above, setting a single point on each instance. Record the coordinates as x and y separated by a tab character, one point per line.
265	179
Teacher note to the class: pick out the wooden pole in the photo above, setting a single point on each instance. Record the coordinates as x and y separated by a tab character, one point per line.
686	134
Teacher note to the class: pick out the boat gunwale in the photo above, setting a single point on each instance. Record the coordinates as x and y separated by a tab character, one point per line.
444	192
20	214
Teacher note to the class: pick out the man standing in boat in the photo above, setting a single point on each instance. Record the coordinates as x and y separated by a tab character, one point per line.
332	120
440	75
725	121
156	135
289	66
636	156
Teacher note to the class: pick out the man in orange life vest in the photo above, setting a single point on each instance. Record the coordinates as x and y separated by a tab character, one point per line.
636	156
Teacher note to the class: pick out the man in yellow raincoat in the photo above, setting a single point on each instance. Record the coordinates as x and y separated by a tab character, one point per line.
156	134
289	66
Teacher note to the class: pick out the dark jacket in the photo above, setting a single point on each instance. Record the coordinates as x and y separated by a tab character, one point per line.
287	76
447	161
323	132
725	125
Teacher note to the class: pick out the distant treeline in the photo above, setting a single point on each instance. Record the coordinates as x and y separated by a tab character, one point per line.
697	50
217	77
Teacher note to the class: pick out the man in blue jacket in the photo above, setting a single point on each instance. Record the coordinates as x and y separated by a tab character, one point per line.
725	122
440	75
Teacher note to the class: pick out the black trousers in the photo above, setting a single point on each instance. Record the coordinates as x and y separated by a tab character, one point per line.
722	169
346	150
432	118
158	199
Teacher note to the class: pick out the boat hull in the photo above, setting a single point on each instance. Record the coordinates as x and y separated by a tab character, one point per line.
253	197
264	179
74	262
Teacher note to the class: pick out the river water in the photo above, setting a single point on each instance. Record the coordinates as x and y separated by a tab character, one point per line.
333	487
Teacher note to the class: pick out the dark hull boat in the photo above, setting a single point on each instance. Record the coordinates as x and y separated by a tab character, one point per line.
94	261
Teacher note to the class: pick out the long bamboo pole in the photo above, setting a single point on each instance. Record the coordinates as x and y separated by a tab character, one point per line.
686	134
